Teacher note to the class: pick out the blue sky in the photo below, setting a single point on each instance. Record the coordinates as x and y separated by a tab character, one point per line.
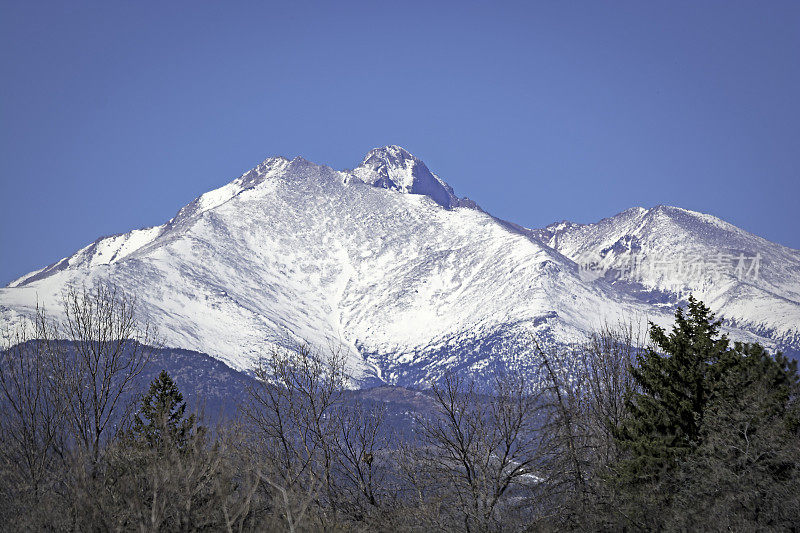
115	114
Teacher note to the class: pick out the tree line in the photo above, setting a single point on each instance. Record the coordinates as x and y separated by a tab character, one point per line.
668	430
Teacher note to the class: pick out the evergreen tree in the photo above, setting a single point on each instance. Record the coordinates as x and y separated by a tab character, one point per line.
711	434
745	474
666	412
160	421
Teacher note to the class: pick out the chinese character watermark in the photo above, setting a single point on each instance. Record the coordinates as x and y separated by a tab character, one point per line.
637	268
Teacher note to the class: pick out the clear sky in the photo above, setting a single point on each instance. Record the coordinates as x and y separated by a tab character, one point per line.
116	114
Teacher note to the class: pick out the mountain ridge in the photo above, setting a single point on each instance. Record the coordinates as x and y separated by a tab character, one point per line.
380	263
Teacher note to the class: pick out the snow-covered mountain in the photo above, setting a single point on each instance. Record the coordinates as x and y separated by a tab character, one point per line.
661	255
387	264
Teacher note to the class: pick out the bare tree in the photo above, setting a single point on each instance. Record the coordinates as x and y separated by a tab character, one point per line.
567	468
478	448
63	387
361	457
585	405
294	420
31	417
108	350
236	486
605	364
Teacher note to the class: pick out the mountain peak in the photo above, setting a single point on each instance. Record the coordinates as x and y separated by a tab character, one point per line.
393	167
392	154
